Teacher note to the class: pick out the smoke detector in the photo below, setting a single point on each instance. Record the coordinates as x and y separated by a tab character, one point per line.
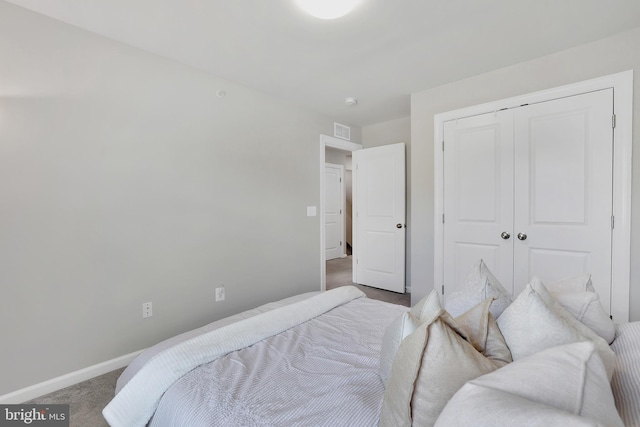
350	101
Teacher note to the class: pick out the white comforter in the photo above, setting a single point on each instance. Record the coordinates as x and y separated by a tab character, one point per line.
136	402
323	372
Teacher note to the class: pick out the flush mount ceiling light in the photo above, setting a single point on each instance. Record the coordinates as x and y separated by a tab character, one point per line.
327	9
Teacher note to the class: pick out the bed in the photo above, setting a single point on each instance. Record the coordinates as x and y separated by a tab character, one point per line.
315	360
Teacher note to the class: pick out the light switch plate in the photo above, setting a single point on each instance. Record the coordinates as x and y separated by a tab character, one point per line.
311	211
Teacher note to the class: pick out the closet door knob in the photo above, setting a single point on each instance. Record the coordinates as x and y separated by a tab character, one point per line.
505	235
522	236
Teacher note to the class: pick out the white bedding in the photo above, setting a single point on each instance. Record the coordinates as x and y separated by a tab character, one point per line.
151	352
137	400
324	372
626	377
320	369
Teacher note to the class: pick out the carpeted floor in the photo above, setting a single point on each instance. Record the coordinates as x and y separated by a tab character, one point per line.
339	273
87	399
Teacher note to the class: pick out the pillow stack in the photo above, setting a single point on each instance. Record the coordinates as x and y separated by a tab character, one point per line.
560	386
536	321
557	336
437	356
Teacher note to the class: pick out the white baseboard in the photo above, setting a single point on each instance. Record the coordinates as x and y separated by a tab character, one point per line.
55	384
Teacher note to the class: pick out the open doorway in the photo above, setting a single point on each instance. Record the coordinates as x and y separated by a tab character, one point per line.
337	151
341	268
337	217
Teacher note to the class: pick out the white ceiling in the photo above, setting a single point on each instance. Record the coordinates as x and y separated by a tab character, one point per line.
380	53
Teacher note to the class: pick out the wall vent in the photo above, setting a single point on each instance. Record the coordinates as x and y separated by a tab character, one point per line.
342	131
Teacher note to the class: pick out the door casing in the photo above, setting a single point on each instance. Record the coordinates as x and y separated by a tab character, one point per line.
340	144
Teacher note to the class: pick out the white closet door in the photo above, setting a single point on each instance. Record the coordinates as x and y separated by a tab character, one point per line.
478	197
563	190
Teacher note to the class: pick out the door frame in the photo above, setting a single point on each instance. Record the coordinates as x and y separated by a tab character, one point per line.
327	141
622	84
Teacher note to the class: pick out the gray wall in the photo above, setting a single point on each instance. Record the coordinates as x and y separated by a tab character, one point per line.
124	179
607	56
391	132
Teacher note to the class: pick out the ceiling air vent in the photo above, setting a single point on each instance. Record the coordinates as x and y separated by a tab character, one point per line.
342	131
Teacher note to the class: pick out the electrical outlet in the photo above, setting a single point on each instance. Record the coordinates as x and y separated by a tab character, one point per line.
147	309
220	293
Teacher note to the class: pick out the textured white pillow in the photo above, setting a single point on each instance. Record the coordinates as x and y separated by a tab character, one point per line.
479	285
607	355
560	386
427	306
430	366
580	299
580	283
535	321
403	326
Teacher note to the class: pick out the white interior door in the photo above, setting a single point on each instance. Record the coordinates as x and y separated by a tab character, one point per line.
563	190
379	218
478	197
334	211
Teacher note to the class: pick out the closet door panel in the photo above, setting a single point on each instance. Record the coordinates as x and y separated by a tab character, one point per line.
478	197
563	190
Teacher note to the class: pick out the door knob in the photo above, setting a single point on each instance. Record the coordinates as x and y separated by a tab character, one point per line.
505	235
522	236
398	225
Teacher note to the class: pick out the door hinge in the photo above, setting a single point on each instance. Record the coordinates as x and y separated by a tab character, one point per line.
613	121
442	145
340	242
340	211
340	179
613	222
443	218
442	289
